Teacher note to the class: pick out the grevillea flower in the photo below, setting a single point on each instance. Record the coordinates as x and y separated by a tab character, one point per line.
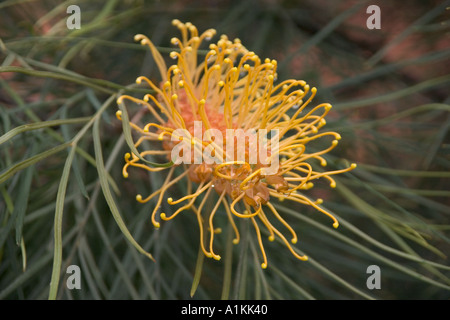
207	94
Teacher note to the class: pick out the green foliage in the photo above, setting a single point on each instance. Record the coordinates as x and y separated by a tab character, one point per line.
64	201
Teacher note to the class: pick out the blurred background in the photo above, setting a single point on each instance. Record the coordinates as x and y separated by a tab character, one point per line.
389	88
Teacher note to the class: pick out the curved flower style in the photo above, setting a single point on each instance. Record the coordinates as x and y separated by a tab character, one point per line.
230	90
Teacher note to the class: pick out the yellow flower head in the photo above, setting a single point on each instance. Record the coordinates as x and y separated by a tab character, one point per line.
212	113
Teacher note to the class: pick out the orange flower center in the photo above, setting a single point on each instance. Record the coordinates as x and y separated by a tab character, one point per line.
232	176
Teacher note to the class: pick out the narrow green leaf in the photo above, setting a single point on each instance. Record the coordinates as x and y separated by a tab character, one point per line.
66	75
228	264
407	173
22	201
57	254
24	254
422	86
47	74
7	222
39	125
198	272
102	174
30	161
